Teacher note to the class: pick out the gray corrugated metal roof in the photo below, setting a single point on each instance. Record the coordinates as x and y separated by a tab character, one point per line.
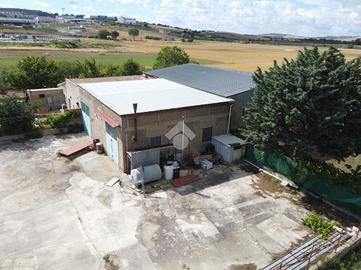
223	82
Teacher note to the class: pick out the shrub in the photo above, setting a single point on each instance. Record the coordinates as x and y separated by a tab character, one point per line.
103	34
153	37
130	67
65	44
16	116
171	56
319	225
61	120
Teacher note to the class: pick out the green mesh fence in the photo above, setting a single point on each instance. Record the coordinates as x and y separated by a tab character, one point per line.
323	187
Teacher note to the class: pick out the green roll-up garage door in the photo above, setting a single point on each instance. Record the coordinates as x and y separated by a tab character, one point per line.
86	117
112	143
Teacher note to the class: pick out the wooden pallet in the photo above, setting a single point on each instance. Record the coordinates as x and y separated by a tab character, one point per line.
76	148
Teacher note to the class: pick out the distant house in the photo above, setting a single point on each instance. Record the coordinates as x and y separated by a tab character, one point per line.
223	82
18	21
126	20
103	18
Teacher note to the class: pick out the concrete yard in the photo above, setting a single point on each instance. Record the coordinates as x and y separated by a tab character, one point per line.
58	214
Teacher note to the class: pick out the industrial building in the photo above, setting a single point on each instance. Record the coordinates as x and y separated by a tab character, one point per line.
223	82
71	87
127	20
137	119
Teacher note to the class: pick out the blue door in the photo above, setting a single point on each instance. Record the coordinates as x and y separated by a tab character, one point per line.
86	117
112	143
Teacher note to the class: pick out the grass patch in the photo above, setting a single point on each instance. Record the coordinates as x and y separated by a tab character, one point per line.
319	225
10	57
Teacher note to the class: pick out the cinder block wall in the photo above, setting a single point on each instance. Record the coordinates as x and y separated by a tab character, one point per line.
159	123
57	96
71	93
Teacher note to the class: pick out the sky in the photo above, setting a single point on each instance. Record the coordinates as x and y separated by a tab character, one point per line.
297	17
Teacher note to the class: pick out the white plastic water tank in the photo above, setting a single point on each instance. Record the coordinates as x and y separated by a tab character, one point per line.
168	172
136	175
152	173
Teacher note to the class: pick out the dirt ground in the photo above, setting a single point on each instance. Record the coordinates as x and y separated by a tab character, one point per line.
58	214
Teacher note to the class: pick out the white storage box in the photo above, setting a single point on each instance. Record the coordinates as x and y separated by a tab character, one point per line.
206	164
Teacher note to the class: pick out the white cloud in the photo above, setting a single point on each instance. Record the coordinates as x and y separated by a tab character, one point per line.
302	17
123	1
41	4
73	5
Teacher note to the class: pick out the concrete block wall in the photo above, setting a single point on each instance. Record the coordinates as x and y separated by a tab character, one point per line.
154	124
72	94
159	123
56	95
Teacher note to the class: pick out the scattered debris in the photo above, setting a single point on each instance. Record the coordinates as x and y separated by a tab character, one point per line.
112	181
249	266
109	263
184	180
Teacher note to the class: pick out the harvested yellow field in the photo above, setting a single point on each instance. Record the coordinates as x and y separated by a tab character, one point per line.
244	57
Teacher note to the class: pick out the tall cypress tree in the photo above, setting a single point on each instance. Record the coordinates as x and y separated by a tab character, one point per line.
307	107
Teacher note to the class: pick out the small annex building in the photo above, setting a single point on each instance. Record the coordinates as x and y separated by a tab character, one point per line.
164	109
223	82
47	99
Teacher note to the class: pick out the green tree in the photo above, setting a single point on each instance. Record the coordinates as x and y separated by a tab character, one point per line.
16	116
114	34
133	32
35	72
308	107
130	67
89	69
111	70
171	56
4	80
69	69
103	34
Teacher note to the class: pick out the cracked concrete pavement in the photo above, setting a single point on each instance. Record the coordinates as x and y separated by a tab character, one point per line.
58	214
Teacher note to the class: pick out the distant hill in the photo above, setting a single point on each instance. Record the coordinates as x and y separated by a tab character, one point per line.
342	38
189	35
24	13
